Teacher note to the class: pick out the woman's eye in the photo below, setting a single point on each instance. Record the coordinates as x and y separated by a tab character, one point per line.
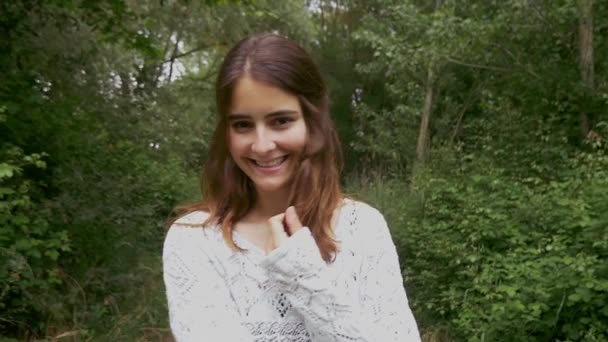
282	121
241	125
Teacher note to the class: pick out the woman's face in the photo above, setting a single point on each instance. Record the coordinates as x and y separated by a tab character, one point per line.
267	133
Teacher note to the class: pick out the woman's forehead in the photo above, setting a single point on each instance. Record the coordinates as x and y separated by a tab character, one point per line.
251	97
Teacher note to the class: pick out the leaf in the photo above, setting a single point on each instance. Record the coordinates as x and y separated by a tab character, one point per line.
7	171
509	290
6	191
53	254
23	244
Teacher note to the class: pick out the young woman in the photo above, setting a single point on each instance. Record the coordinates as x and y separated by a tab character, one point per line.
275	252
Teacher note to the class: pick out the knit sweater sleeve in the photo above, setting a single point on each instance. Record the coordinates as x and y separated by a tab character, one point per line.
382	312
200	304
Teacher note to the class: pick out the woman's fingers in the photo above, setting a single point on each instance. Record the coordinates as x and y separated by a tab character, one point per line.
277	231
281	227
292	221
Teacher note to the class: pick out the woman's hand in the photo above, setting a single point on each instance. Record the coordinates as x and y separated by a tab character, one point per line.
282	226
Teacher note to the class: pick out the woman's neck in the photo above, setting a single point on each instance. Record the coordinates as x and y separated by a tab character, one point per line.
268	204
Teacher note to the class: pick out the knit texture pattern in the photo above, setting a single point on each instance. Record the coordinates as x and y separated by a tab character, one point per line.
291	294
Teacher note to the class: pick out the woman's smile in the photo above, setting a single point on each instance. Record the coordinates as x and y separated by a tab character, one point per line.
272	163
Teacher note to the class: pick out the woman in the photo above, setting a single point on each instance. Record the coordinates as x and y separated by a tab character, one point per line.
275	252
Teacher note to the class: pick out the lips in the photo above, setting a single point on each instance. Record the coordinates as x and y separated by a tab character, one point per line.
271	163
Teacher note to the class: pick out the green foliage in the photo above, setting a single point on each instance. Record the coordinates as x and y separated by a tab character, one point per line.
491	255
29	248
381	135
532	259
503	231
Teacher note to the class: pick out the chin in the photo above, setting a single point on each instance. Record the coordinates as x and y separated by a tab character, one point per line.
270	186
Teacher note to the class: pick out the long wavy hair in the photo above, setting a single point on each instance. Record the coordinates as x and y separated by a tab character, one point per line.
228	194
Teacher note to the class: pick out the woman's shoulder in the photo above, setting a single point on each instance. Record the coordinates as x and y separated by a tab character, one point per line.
363	223
186	229
360	211
360	219
196	218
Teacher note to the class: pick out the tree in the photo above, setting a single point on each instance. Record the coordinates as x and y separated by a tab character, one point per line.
585	36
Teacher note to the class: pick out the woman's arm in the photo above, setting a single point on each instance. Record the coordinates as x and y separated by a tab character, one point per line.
382	313
383	296
200	304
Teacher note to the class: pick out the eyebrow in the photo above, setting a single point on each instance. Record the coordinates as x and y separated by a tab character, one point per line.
237	116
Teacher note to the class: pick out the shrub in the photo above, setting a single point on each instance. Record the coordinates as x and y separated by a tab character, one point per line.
29	249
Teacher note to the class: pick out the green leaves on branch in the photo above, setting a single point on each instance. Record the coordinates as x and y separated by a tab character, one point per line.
494	255
29	249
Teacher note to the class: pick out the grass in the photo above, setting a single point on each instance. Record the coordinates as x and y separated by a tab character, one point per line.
137	314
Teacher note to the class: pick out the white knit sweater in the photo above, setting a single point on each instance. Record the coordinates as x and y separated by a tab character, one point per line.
291	294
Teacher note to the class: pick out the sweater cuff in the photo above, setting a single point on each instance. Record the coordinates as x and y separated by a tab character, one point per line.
297	256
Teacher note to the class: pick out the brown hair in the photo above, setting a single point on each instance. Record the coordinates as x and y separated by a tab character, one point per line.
228	194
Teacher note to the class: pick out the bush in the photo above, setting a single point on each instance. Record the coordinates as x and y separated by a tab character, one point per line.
29	249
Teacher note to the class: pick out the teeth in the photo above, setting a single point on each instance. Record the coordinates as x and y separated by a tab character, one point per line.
270	163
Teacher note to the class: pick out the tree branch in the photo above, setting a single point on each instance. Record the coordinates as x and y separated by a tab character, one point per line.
184	54
473	95
517	62
175	47
472	65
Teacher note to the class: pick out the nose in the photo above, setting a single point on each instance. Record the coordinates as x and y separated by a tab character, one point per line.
263	142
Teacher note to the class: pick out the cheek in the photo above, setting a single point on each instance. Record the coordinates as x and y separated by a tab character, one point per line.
299	137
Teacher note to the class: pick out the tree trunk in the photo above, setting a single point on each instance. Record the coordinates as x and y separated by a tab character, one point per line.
423	135
585	33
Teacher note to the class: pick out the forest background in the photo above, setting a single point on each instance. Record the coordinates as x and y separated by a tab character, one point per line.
477	127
